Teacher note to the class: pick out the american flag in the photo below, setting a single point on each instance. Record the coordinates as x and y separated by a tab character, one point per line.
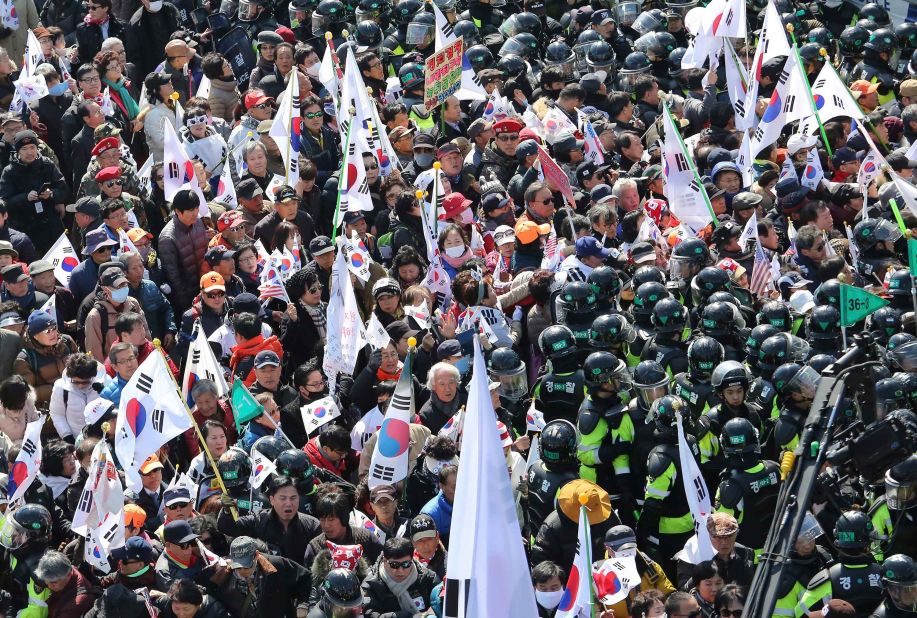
551	260
273	287
761	276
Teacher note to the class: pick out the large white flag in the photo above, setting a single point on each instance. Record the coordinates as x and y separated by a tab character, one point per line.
202	365
790	101
704	47
28	461
376	335
151	413
772	42
99	514
687	196
488	573
908	191
63	258
353	189
262	467
226	190
750	231
287	128
178	170
832	99
328	75
346	335
578	601
729	19
736	85
389	463
698	548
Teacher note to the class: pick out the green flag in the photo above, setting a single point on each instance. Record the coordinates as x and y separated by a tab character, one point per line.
912	255
857	303
244	406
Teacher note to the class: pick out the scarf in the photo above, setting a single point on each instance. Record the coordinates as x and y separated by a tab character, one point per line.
384	375
457	262
317	313
400	589
95	22
127	101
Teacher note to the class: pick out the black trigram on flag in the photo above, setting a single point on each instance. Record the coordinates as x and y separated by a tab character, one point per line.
695	187
447	30
195	356
784	75
789	104
739	107
699	488
457	592
351	148
400	401
364	187
820	83
730	16
759	134
85	504
837	100
681	162
173	170
145	383
476	80
384	473
110	533
345	126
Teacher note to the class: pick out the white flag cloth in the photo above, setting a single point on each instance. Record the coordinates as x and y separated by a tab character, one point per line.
327	74
592	149
869	169
686	195
615	578
577	601
99	515
8	17
533	452
276	182
364	429
772	42
749	231
323	411
353	188
488	573
28	461
497	107
908	191
31	88
287	128
813	174
151	413
63	258
698	548
262	467
556	124
366	123
389	463
790	101
376	334
444	34
202	364
729	20
125	244
143	174
346	335
832	99
50	307
33	54
534	419
453	427
787	170
178	170
420	313
736	85
704	47
358	259
226	190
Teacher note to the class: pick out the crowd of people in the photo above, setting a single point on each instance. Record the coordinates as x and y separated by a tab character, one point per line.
534	208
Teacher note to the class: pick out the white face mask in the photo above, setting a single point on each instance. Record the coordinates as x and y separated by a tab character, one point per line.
313	69
456	252
549	600
155	6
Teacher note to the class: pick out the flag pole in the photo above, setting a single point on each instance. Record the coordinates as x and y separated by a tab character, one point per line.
343	176
821	127
290	128
235	514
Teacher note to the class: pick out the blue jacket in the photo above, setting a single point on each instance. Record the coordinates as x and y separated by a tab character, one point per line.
441	512
251	433
160	316
112	390
83	279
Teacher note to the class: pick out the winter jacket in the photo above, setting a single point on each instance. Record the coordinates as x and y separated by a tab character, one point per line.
210	608
408	231
13	424
210	150
495	164
242	361
210	320
14	41
181	249
66	14
223	414
97	342
21	243
435	413
264	230
160	317
41	366
74	600
223	99
372	548
152	507
300	339
318	459
441	512
149	33
154	128
83	279
67	406
112	390
10	344
324	153
291	541
380	602
168	570
89	37
278	586
16	181
556	539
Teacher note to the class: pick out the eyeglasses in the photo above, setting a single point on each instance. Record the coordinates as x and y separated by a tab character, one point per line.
51	329
114	183
403	564
313	115
375	65
196	120
390	356
508	137
215	295
126	359
80	383
92	80
731	613
315	384
114	67
180	505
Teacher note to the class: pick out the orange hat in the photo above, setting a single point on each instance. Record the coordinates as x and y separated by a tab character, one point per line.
106	144
152	463
528	231
864	87
134	516
41	32
212	281
136	233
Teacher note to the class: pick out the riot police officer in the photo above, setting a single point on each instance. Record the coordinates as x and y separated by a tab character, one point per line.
666	523
806	559
749	484
614	333
823	325
606	283
557	465
724	322
687	259
876	239
795	385
650	383
26	537
235	468
899	575
704	355
295	464
774	351
646	295
894	515
880	61
561	390
855	577
505	367
667	347
396	41
339	591
850	45
578	305
607	431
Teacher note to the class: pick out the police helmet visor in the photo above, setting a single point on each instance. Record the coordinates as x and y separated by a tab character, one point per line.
897	495
12	534
514	385
419	33
681	270
320	24
804	382
646	22
651	392
298	16
903	595
626	12
810	529
248	10
905	357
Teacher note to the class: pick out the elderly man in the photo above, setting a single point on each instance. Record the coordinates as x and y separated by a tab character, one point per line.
625	189
123	358
182	556
401	586
735	561
157	311
17	286
445	396
253	207
107	154
182	245
539	205
72	595
149	496
499	159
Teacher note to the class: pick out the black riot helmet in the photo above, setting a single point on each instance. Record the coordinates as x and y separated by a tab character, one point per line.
507	368
369	36
829	293
779	349
811	53
890	395
601	57
469	32
528	23
656	45
899	287
756	337
270	446
557	446
30	523
378	11
906	33
899	575
342	588
606	368
479	57
688	258
776	314
561	55
647	273
663	410
820	362
901	484
610	331
823	37
704	354
739	437
882	41
675	70
235	468
636	63
512	65
912	65
411	75
606	283
300	12
824	323
326	15
650	381
852	41
897	340
728	374
579	299
903	358
650	21
710	279
669	317
405	10
294	463
875	13
885	322
584	41
790	378
557	342
645	298
720	319
853	532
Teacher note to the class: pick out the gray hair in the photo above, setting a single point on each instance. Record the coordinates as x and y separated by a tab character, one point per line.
126	256
250	147
117	349
621	185
110	42
442	367
204	387
909	114
53	566
47	70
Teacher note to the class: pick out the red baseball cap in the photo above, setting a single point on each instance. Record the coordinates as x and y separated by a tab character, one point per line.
227	220
453	204
255	97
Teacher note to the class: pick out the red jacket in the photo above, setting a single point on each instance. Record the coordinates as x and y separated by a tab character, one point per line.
73	601
242	361
320	461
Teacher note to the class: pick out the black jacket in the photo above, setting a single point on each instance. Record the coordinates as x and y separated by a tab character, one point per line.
557	538
279	586
372	548
89	37
290	542
149	33
379	602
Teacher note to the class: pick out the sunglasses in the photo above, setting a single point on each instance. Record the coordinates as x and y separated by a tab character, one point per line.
106	249
215	295
263	106
372	167
80	383
237	228
186	545
180	505
313	115
731	613
508	137
549	200
196	120
315	289
113	183
403	564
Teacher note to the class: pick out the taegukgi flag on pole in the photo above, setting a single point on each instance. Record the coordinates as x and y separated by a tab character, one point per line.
151	413
578	601
202	364
389	463
63	258
262	467
698	548
323	411
28	461
99	514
